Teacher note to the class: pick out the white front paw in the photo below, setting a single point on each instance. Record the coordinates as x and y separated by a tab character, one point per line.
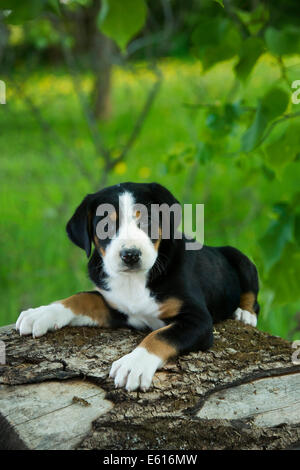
135	370
246	317
37	321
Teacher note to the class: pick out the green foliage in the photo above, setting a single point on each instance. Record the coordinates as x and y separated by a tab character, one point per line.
215	40
272	105
24	11
277	236
227	134
220	2
254	20
283	41
121	20
117	19
285	276
284	149
256	125
252	49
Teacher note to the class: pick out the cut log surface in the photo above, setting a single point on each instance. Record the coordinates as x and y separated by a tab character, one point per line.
55	393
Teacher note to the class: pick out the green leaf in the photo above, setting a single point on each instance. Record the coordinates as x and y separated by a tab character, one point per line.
297	229
272	105
22	11
220	2
255	132
275	102
54	6
215	40
279	233
284	41
252	48
284	149
284	277
122	20
256	19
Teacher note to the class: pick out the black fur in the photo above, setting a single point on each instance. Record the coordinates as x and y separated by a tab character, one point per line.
209	282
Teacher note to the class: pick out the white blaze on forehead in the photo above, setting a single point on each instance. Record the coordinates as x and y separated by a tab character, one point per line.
129	231
129	235
126	204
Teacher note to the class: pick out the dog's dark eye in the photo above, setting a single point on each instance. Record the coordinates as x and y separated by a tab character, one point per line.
106	226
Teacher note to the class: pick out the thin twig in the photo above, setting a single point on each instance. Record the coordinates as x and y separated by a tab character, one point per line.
48	130
141	119
283	70
275	123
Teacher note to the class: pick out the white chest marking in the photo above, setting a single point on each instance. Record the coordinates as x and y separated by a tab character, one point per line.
128	293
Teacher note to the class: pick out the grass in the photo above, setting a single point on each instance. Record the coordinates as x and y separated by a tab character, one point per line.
41	183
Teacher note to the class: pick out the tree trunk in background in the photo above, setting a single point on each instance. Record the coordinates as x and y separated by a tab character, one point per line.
55	393
102	53
98	49
101	49
3	38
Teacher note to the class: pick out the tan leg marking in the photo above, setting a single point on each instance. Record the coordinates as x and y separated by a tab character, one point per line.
91	305
156	345
170	308
247	302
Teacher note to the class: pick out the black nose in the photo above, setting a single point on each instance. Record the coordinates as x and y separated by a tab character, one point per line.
130	256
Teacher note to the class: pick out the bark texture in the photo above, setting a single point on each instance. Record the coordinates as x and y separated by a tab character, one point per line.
178	411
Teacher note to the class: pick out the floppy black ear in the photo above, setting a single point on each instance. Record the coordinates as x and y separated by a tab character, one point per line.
78	228
163	195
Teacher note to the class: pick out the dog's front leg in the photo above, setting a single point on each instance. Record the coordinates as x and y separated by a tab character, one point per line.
187	333
84	308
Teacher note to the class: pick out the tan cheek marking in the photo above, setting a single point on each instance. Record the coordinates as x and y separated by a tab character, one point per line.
170	308
158	346
157	243
247	302
102	251
97	244
91	305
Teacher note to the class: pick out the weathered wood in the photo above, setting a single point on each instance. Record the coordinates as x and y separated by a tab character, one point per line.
50	415
55	393
269	402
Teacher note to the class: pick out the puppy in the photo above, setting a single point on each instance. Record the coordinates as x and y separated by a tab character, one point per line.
146	280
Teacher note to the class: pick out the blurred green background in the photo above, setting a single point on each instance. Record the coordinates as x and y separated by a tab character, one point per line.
200	96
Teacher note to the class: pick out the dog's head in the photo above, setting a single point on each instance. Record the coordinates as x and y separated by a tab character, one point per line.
126	223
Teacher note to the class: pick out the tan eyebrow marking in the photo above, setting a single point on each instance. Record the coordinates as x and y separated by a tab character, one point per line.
113	216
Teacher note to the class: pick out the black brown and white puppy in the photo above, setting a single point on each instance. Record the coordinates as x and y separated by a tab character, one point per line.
145	282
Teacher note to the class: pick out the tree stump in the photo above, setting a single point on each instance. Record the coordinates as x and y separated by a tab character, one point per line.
55	393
